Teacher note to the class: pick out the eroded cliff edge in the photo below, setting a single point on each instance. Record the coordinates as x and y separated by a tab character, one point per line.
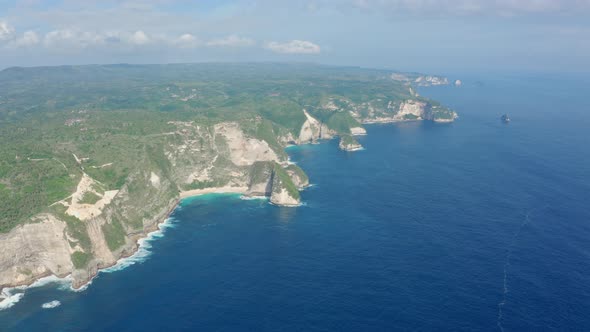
128	172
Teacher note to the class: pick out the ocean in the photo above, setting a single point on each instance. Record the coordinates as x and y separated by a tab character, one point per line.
473	225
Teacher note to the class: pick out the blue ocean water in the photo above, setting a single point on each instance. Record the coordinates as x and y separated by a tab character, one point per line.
473	225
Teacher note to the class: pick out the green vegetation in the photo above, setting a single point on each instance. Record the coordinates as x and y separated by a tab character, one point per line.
114	234
260	171
285	180
348	140
80	259
203	184
298	172
89	198
118	121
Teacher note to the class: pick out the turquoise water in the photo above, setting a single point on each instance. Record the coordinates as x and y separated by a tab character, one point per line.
473	225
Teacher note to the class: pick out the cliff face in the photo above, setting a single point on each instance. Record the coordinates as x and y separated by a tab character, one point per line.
94	227
284	192
348	143
116	166
34	250
406	110
313	130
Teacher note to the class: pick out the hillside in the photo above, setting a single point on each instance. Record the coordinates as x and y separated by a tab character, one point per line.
94	157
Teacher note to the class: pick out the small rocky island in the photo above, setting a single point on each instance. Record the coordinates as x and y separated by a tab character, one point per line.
349	143
505	118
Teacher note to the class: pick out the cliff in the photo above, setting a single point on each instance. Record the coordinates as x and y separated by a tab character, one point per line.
86	170
348	143
92	228
404	110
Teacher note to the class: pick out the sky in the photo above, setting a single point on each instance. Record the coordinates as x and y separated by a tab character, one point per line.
437	36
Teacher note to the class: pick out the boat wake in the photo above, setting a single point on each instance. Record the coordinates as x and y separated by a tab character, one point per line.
509	251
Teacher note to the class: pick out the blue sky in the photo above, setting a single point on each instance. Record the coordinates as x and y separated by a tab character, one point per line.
420	35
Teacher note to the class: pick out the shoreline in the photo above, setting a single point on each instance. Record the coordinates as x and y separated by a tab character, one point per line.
157	227
8	299
147	234
212	190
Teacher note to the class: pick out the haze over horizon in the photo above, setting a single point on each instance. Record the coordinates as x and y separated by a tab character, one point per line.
435	36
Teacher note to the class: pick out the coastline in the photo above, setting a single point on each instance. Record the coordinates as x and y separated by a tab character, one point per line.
140	242
8	299
141	238
212	190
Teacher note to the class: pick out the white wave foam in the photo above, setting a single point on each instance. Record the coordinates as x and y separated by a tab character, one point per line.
51	305
9	299
250	198
309	186
144	249
65	281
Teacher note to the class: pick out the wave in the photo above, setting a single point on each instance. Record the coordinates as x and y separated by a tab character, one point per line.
51	305
144	250
10	299
251	198
12	295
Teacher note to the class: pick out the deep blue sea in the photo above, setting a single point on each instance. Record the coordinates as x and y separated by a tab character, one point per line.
474	225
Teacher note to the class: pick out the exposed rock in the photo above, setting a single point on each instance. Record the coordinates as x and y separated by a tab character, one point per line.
298	176
280	183
31	251
431	80
358	131
411	110
154	179
260	183
312	130
284	191
82	209
348	143
244	150
282	197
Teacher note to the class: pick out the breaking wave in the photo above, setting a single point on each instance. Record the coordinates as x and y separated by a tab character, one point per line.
9	299
144	249
51	305
251	198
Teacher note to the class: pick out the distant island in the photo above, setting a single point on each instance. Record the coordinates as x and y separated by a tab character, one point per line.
95	157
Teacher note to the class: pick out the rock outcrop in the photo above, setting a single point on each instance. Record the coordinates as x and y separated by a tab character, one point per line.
281	184
430	80
35	250
284	192
313	130
93	228
349	143
358	131
406	110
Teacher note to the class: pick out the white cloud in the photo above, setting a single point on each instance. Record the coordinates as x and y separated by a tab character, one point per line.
139	38
232	41
6	31
29	38
69	39
294	47
187	40
59	37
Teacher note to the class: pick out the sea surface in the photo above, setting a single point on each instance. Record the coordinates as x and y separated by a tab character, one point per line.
474	225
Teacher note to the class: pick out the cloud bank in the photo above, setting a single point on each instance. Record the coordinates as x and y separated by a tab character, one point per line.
294	47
